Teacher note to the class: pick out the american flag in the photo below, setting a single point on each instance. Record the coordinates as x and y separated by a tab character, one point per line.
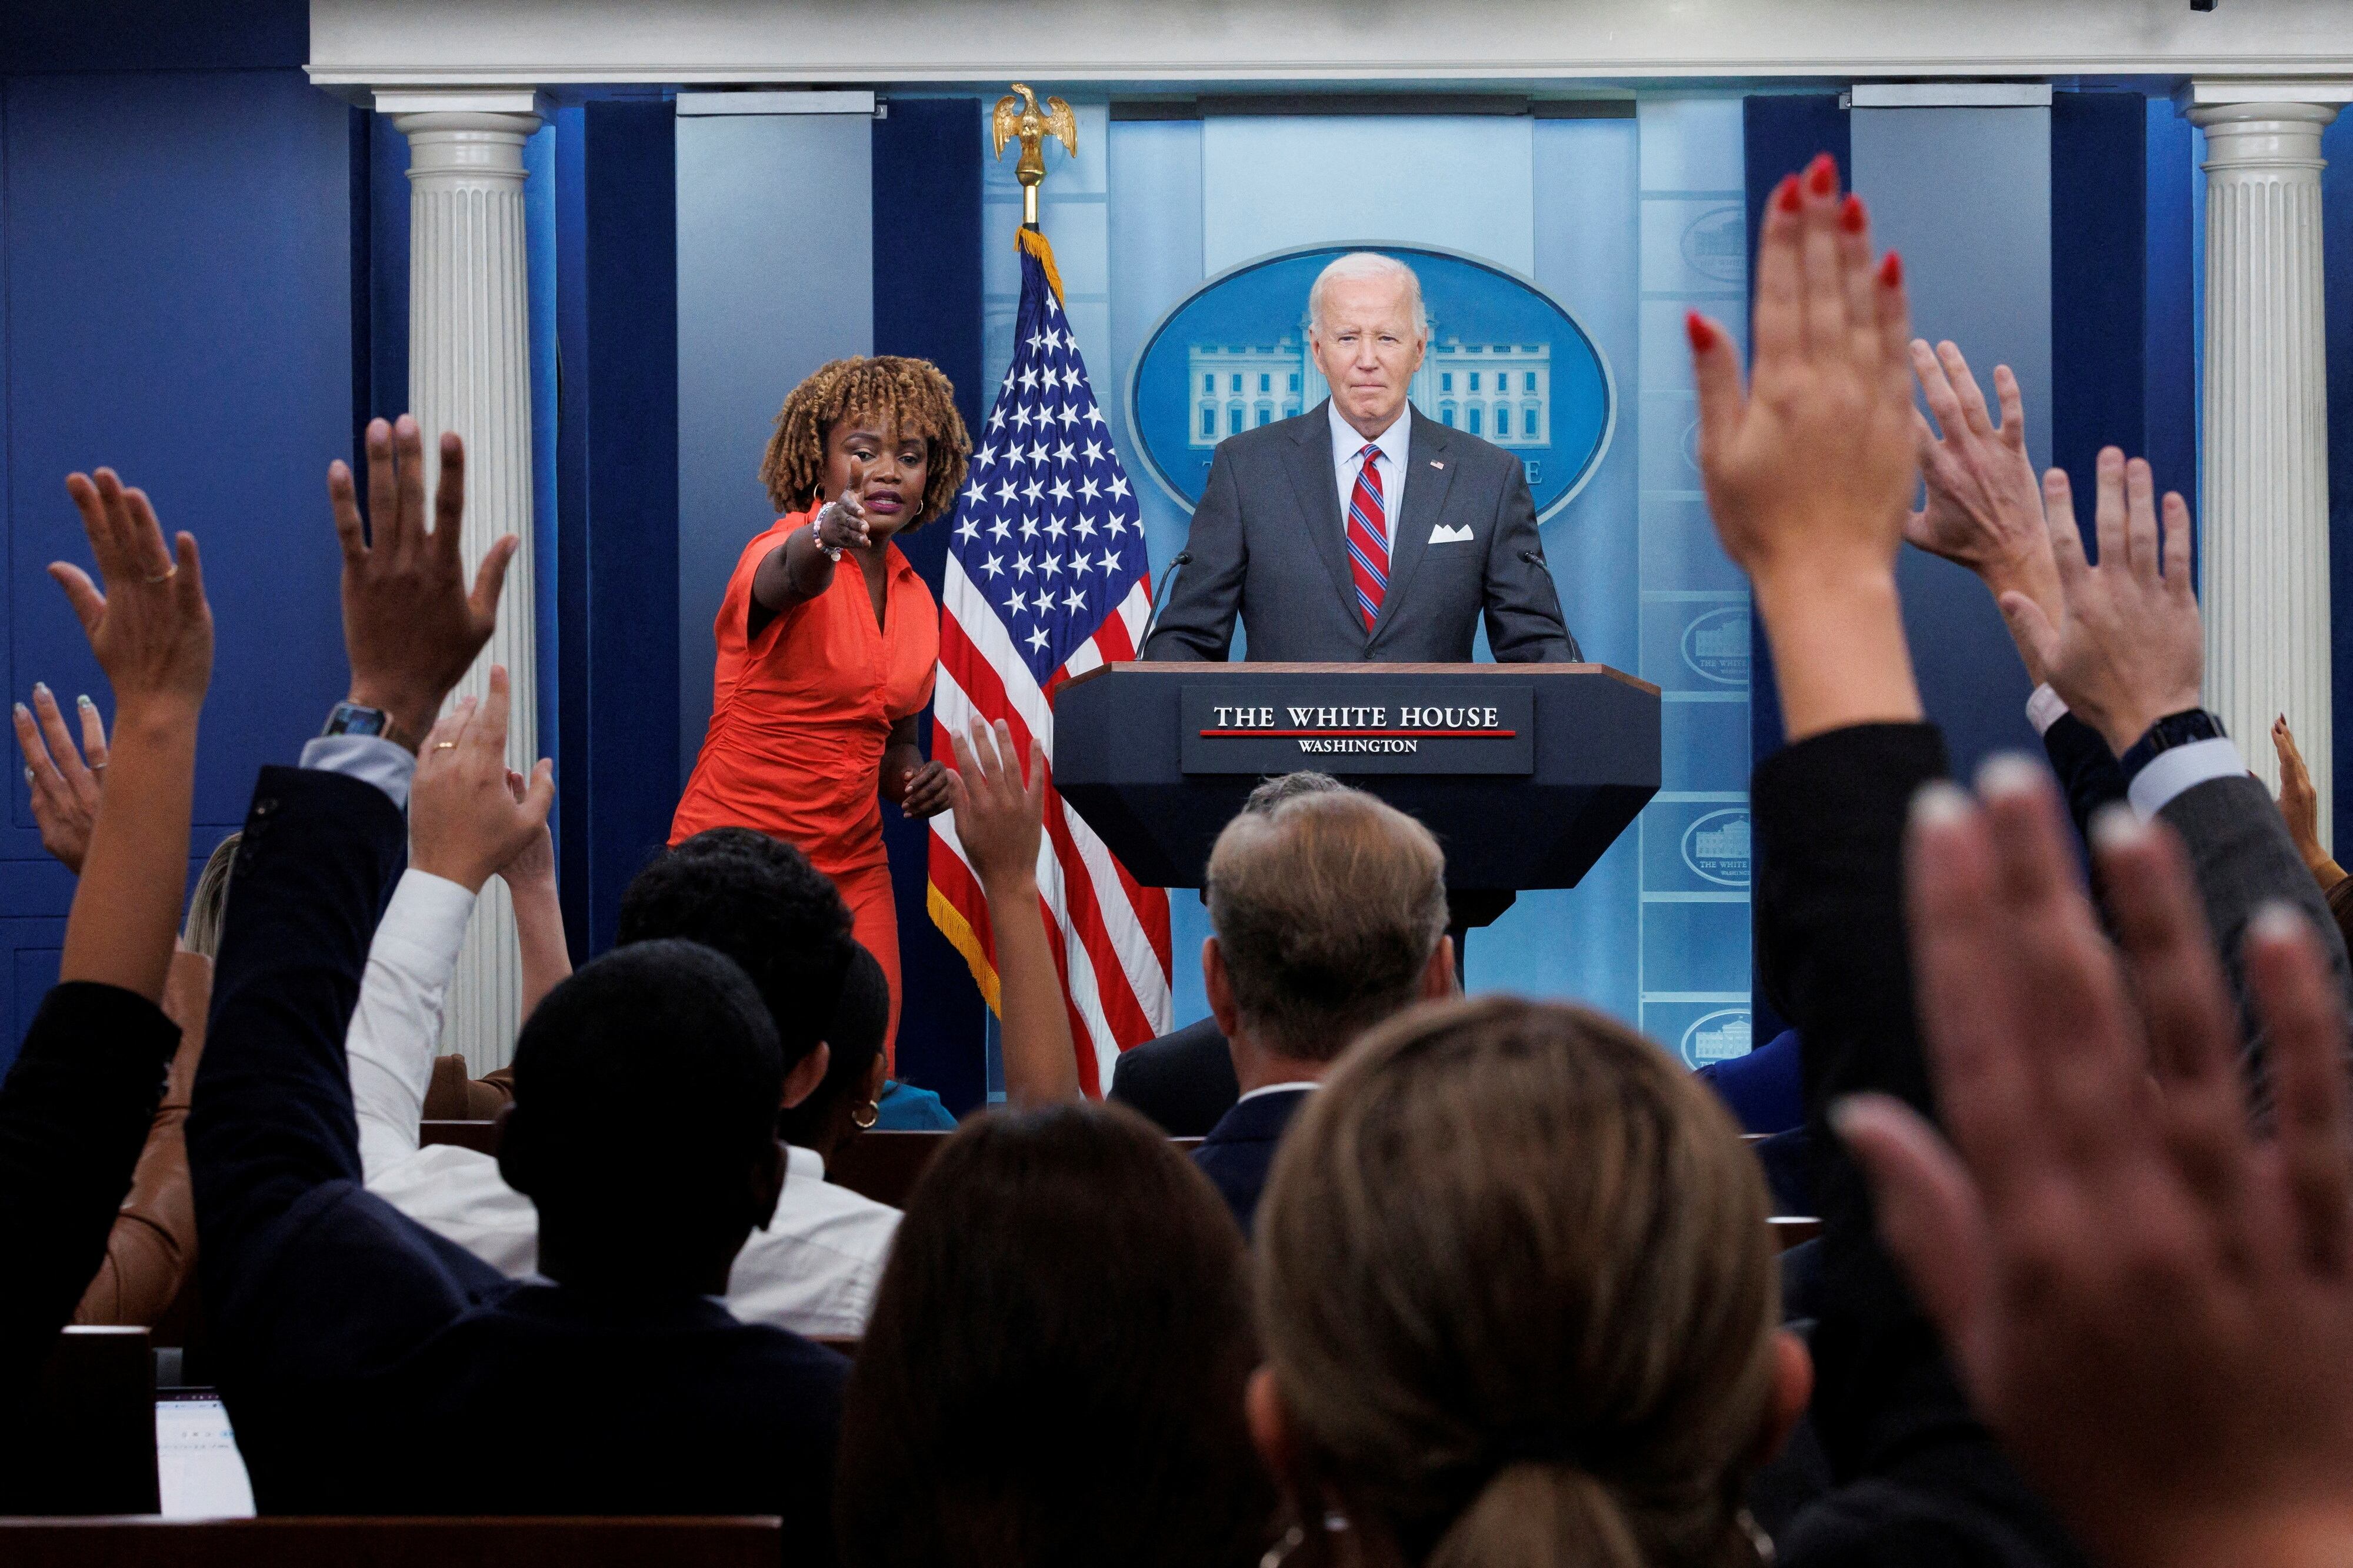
1047	579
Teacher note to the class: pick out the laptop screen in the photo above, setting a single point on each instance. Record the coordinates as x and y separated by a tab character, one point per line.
198	1470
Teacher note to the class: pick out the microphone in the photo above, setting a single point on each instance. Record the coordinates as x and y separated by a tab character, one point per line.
1535	559
1184	559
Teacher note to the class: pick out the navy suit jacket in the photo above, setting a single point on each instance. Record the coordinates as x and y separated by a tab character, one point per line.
1239	1153
358	1352
1183	1081
1268	543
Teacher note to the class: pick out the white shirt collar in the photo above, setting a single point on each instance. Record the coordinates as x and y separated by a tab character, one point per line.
1348	440
1293	1086
803	1165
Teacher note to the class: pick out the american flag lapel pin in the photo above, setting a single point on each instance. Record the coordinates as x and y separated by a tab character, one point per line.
1436	464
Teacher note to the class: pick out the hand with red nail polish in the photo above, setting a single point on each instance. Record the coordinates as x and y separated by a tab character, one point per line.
1809	470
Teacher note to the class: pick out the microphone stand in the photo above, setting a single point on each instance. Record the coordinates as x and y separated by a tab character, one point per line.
1160	602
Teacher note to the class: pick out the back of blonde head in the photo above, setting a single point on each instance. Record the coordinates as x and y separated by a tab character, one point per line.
1517	1294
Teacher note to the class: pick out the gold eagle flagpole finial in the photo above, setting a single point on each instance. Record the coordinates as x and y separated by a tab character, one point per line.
1021	117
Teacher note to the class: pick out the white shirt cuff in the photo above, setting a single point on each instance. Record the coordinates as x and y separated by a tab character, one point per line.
369	758
2182	769
2044	709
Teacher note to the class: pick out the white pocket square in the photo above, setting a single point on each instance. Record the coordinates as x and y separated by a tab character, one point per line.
1443	534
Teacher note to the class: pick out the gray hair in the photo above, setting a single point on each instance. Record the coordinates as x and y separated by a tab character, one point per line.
1272	793
1368	264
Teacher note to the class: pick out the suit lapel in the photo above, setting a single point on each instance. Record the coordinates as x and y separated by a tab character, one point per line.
1428	473
1315	478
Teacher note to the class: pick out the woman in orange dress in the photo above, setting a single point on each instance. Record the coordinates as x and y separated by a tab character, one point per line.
828	640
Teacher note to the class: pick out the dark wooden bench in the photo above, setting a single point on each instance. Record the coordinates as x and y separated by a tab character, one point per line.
748	1542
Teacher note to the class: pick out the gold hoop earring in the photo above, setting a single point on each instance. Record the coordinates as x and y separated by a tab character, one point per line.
865	1116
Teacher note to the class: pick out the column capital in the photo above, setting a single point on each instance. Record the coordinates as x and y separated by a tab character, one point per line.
465	134
2224	100
402	101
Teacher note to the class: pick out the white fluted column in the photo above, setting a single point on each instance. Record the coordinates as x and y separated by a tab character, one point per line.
470	371
2263	457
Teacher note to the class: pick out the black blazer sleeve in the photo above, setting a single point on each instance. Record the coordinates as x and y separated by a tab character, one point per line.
306	1275
1198	623
74	1115
1830	813
2244	859
1525	623
2087	770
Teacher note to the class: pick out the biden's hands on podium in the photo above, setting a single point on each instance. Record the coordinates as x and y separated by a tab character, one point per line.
2149	1299
1811	467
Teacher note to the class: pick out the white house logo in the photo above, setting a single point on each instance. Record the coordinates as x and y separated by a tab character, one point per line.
1507	363
1716	1036
1716	245
1716	644
1716	847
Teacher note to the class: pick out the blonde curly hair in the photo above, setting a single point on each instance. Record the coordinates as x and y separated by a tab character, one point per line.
911	393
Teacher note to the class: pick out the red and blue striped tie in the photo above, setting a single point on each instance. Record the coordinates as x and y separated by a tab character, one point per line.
1368	540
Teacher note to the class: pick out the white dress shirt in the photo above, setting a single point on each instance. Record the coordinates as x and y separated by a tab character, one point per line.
1347	441
813	1271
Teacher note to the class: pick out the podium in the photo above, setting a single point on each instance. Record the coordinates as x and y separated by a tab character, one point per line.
1525	773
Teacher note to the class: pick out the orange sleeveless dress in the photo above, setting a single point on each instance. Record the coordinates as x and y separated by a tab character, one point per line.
799	715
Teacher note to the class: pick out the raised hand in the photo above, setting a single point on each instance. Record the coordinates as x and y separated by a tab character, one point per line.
1815	461
464	821
65	779
1810	468
152	633
999	815
999	819
409	624
150	627
2152	1305
533	864
2299	803
1984	502
2128	649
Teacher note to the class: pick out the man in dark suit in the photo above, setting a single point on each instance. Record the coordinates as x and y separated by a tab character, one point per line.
1330	917
1184	1082
1362	529
353	1346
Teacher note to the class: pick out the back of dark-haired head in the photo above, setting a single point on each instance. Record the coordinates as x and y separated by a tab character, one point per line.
758	900
861	1016
1517	1294
644	1096
1058	1353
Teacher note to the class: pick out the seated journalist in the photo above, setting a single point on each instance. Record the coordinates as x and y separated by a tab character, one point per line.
1184	1081
354	1345
1363	529
1328	916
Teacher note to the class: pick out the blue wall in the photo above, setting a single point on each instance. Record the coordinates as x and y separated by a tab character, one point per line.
615	523
175	275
